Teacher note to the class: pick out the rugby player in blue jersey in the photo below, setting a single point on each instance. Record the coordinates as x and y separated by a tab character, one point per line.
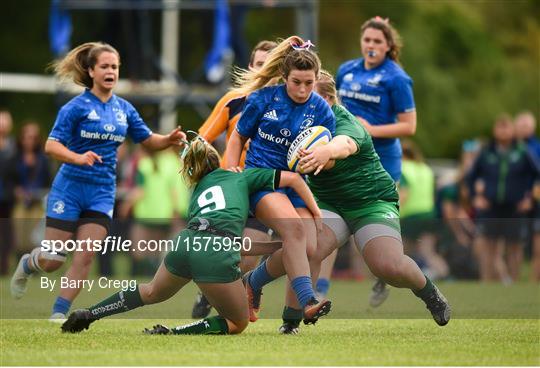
272	118
85	137
376	89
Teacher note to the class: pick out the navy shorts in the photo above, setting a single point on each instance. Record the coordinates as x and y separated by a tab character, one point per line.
295	199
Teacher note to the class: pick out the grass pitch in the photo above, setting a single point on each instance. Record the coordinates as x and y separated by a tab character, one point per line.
492	325
330	342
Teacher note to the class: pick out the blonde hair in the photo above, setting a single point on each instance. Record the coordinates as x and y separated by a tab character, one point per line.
390	34
279	63
201	158
76	63
326	86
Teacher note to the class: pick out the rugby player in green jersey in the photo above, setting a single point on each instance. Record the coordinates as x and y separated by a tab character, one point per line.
208	251
357	196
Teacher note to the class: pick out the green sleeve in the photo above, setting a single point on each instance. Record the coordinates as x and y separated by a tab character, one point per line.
346	124
261	179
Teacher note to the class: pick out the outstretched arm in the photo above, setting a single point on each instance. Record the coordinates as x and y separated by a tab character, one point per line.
157	142
340	147
234	149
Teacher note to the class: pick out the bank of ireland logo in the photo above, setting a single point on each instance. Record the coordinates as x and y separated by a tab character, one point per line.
285	132
355	87
109	128
59	207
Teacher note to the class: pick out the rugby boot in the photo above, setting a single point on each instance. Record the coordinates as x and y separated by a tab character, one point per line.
78	320
439	307
379	293
316	309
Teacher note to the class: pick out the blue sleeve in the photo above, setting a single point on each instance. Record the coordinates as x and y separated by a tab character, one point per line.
249	121
138	131
62	130
401	94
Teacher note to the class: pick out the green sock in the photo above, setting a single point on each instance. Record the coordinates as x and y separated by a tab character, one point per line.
120	302
216	325
426	291
291	315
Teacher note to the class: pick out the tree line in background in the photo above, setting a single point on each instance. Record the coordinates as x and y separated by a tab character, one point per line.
470	60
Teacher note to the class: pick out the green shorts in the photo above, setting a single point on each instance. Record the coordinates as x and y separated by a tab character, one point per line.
191	260
378	212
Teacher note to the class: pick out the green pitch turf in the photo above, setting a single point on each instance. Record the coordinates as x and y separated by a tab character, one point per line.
330	342
493	325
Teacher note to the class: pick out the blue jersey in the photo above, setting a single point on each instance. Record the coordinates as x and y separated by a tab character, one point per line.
87	124
273	120
377	95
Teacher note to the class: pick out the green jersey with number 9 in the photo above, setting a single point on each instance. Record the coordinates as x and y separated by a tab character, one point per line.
222	197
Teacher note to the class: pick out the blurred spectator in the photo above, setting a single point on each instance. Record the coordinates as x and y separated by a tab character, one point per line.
526	131
535	259
7	188
501	182
457	234
417	211
33	182
152	201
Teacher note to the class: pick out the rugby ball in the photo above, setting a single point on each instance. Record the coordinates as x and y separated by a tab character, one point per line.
309	138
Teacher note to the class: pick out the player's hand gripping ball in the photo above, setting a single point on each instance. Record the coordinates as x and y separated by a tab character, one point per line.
309	138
